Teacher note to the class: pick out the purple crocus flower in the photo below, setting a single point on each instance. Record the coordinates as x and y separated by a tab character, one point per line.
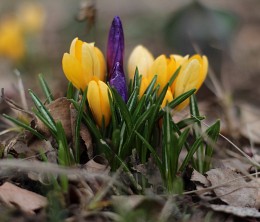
115	47
118	80
115	54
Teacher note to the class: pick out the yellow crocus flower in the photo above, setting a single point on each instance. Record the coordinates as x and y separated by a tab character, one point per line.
192	74
98	100
11	39
167	98
140	58
83	63
164	68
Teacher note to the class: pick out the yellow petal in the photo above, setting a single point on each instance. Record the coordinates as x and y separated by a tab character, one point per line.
168	98
204	68
73	71
143	87
188	78
159	68
87	62
141	58
93	96
102	64
179	59
104	101
76	48
95	61
204	72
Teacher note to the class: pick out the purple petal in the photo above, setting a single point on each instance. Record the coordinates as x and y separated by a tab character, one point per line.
115	47
118	80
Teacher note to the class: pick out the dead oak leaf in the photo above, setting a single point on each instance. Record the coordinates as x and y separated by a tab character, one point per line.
232	188
237	211
27	201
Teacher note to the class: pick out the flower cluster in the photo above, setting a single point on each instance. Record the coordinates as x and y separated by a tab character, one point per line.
193	71
85	67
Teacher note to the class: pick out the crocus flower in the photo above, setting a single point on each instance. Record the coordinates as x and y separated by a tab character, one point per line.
192	74
118	80
115	54
164	68
116	45
83	63
98	100
140	58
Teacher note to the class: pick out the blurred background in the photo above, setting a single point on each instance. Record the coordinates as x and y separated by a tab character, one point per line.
35	34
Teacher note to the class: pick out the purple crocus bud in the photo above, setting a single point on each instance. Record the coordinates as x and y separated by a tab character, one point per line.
118	80
115	47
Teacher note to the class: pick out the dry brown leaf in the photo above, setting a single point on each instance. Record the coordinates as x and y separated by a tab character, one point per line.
237	211
235	190
198	177
84	132
85	135
26	200
236	165
94	167
60	111
201	183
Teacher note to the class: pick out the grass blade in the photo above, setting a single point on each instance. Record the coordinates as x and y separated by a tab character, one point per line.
77	127
43	111
23	125
45	89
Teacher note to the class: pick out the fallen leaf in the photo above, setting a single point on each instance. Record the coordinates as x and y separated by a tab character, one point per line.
84	132
235	210
60	111
236	165
15	196
201	183
232	189
86	137
198	177
93	166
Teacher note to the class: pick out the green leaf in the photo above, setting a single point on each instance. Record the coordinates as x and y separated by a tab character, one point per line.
150	88
194	110
190	153
177	101
189	121
23	125
43	111
45	122
169	151
46	89
77	126
182	140
64	155
133	100
90	122
125	114
212	133
174	76
70	91
152	150
113	112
